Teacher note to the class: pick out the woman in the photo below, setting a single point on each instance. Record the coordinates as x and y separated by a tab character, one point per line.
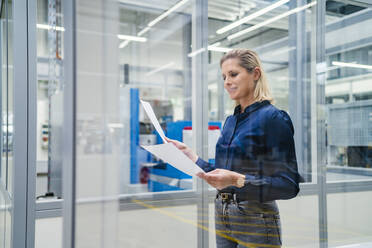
255	158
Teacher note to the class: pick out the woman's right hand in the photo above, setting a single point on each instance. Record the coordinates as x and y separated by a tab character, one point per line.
184	148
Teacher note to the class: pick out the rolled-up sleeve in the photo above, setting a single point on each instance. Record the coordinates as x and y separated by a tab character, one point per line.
278	177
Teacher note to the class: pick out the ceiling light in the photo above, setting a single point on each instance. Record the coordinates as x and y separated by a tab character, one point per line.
219	49
285	14
353	65
132	38
251	17
215	44
166	13
192	54
140	33
161	68
47	27
124	44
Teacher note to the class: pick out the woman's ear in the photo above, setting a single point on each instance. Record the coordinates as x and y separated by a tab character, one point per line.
256	73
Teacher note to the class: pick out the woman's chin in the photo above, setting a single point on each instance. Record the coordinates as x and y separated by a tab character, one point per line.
233	97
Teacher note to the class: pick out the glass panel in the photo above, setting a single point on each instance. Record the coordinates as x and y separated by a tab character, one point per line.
4	87
156	70
6	178
49	99
50	116
284	39
348	91
348	94
97	122
10	101
2	218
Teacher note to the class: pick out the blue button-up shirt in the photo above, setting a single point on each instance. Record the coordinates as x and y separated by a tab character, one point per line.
259	144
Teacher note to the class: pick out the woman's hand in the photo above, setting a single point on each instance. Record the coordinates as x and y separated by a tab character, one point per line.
221	178
184	148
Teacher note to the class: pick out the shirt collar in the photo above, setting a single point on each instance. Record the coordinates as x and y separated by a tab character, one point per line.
251	108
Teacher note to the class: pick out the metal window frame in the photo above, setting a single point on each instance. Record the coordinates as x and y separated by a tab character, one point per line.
320	117
69	119
53	208
24	93
200	108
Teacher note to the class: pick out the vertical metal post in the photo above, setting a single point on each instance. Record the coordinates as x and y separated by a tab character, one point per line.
32	121
298	84
187	85
69	161
200	106
1	88
321	67
24	138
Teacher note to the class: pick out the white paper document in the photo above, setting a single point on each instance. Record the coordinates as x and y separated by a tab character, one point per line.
172	155
167	151
150	113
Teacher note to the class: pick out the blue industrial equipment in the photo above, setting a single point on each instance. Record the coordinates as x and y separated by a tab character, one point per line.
162	176
167	177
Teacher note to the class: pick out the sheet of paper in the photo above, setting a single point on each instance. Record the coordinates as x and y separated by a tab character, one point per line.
150	113
173	156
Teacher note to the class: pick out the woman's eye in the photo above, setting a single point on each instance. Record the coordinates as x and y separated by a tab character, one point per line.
234	74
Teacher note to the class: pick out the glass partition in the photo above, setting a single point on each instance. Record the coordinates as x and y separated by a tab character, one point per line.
348	96
283	35
6	164
155	54
127	51
50	115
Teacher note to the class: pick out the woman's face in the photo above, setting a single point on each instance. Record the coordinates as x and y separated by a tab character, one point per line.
238	82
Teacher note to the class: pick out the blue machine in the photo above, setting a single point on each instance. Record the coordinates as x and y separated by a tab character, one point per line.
163	176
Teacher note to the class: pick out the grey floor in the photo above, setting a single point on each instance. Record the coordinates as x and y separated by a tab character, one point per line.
349	224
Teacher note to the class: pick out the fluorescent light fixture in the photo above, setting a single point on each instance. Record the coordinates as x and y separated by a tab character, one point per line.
215	44
353	65
196	52
219	49
132	38
251	17
331	68
161	68
143	31
124	44
257	26
166	13
47	27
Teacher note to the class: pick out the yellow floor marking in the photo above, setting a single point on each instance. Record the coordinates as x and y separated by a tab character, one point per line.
218	232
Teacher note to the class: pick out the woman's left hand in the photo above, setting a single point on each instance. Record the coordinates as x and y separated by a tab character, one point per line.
220	178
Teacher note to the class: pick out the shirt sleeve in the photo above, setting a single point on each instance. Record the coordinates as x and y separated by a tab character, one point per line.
278	176
206	167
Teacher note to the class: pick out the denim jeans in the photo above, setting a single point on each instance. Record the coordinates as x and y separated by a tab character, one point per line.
247	224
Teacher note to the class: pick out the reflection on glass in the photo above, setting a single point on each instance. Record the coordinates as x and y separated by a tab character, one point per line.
271	29
10	102
6	131
155	67
49	99
348	93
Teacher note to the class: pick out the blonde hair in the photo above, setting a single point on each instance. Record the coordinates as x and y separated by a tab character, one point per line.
249	60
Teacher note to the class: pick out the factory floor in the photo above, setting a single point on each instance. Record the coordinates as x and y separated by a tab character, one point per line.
349	223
